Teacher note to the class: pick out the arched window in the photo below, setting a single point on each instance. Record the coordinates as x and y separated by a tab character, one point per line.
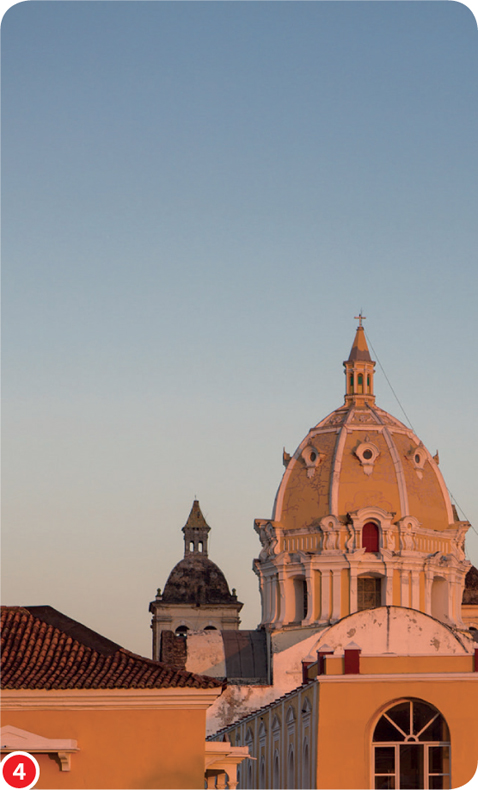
300	589
370	537
305	764
276	772
291	768
210	628
440	598
262	772
411	748
360	384
182	630
250	781
249	742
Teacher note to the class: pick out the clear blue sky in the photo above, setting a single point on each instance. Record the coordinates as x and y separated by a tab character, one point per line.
197	200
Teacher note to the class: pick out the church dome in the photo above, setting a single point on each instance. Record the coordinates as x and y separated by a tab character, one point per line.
197	580
360	456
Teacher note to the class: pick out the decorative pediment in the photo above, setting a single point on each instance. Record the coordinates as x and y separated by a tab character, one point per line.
276	725
290	715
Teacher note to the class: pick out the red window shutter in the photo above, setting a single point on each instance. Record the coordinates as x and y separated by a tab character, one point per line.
370	537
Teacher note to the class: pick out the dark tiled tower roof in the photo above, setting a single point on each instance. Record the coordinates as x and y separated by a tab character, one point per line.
197	580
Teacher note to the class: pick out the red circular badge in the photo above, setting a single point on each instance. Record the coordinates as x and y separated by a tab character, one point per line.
20	770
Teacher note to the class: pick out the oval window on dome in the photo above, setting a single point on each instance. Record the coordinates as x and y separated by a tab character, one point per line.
417	459
313	456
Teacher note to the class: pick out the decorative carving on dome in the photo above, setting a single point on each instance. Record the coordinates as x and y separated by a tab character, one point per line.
458	541
363	416
330	527
335	419
408	527
350	542
390	540
417	455
367	453
312	458
268	538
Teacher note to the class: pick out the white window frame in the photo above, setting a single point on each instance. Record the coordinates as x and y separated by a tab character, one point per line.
410	739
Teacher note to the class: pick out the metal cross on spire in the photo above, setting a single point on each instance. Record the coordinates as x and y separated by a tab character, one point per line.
360	318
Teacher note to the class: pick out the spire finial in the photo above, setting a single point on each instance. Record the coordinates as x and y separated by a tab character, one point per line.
360	317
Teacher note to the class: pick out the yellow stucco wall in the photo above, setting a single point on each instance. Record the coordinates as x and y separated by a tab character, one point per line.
396	588
425	496
318	594
307	498
345	596
348	713
121	748
358	490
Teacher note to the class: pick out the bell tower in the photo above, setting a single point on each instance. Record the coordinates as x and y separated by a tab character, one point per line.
196	532
196	596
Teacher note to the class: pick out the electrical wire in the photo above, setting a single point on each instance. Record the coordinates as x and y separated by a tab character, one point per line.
388	382
409	421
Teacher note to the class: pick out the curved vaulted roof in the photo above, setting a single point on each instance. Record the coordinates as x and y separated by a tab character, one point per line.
360	456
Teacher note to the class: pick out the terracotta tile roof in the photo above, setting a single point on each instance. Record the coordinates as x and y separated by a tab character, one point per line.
44	649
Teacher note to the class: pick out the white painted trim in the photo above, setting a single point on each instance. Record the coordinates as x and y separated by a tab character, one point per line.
403	676
223	752
337	465
13	739
109	699
397	463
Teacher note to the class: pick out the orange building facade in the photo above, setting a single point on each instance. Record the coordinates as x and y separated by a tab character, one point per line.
395	723
98	716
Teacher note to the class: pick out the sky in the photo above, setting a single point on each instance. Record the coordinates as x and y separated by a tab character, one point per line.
198	198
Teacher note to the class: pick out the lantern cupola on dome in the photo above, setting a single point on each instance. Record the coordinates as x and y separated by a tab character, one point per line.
359	369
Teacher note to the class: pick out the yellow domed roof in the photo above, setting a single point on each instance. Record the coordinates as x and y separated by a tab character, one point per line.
360	456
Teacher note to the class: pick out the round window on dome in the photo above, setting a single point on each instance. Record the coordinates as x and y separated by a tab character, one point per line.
367	454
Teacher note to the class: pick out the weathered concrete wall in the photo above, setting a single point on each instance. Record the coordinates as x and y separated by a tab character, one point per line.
205	653
395	629
237	701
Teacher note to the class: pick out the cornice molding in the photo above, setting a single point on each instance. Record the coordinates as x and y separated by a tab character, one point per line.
109	699
405	677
